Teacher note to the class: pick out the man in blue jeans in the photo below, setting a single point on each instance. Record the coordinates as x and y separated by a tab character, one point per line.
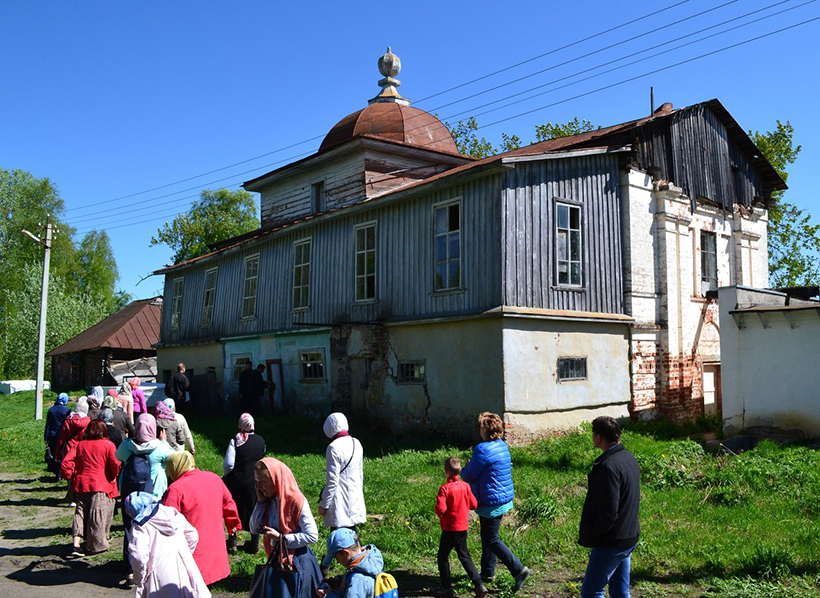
609	521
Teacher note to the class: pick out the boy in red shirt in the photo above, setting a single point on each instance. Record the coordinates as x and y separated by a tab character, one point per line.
453	505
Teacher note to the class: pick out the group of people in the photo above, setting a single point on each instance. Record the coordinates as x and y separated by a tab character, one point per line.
176	515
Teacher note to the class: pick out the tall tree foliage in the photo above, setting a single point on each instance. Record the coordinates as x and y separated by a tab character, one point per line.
83	276
794	241
218	215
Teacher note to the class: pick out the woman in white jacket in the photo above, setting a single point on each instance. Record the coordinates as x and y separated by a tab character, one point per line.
161	545
342	501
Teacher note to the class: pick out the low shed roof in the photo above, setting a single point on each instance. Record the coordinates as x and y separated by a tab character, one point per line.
135	326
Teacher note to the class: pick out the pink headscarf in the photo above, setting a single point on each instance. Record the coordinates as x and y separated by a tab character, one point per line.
163	411
135	382
246	428
146	428
112	392
291	501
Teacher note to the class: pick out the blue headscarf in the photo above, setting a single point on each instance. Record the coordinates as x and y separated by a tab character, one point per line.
141	506
62	399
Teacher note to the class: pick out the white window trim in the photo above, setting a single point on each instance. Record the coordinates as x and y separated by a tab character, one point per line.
444	204
304	241
249	356
558	201
174	311
248	258
321	352
202	323
356	228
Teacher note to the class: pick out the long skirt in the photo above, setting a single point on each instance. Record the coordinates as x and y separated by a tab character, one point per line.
92	520
243	496
308	566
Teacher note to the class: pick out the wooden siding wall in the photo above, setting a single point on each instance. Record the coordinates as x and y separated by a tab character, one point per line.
404	270
344	183
694	152
529	265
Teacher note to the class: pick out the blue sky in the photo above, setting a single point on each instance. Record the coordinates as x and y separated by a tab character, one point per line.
113	99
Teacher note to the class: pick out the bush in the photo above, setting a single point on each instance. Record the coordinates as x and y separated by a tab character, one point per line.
769	562
538	507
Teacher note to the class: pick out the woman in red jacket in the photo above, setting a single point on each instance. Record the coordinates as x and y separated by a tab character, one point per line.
93	470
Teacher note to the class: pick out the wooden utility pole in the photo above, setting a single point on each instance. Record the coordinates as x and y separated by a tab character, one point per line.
41	346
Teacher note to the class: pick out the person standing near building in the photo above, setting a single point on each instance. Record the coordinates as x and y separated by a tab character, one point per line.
177	387
244	388
609	520
341	503
256	390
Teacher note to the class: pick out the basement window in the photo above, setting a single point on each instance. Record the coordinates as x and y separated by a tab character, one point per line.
411	372
312	365
572	368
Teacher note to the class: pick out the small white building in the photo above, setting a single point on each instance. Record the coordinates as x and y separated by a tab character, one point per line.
769	349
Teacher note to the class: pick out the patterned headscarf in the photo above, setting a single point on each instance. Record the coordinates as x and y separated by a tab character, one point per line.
141	506
125	389
81	408
163	412
146	428
179	463
62	399
246	428
291	499
172	404
135	382
93	403
111	402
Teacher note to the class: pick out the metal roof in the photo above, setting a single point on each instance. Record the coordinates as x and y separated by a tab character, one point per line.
135	326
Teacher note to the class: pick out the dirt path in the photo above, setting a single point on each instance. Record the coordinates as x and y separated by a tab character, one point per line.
35	526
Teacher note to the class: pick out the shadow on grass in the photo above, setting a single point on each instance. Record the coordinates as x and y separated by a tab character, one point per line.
58	572
706	571
58	488
51	501
28	534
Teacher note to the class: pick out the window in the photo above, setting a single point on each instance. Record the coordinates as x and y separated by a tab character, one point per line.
251	279
568	244
708	262
209	297
318	199
366	262
176	303
447	259
301	274
411	372
239	362
572	368
312	365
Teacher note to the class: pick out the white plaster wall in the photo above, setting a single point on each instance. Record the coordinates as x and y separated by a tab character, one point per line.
531	351
195	357
769	366
639	247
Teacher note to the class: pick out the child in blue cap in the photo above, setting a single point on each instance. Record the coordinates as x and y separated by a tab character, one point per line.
362	565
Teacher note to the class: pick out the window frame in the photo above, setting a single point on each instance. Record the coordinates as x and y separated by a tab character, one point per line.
568	360
234	358
704	253
417	365
318	197
459	287
322	377
571	205
209	293
374	274
176	301
303	288
245	297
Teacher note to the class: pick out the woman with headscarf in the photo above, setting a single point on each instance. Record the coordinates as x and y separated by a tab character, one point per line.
341	503
55	417
166	420
161	545
125	427
183	425
244	450
145	443
94	406
205	502
140	406
126	400
106	416
282	510
73	427
92	469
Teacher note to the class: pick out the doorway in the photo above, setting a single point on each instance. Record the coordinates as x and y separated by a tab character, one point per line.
276	387
712	404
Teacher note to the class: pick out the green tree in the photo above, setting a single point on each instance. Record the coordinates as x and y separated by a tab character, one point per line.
97	268
794	241
469	143
218	215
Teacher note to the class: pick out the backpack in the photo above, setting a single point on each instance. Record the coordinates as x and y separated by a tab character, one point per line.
170	390
386	586
136	473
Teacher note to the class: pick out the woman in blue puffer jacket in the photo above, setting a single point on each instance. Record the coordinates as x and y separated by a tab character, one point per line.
489	474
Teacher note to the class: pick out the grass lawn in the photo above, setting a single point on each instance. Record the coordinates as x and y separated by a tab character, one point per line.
711	526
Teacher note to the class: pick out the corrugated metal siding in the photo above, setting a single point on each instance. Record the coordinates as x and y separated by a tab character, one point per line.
404	270
528	219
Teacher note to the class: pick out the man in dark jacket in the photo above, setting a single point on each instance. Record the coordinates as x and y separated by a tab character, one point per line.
179	384
609	521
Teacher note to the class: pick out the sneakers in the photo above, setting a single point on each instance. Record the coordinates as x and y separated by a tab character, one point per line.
481	591
251	546
520	579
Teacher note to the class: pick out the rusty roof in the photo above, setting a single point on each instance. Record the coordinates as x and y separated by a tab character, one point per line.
135	326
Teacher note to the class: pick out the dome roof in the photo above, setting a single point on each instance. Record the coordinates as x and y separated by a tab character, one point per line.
393	122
